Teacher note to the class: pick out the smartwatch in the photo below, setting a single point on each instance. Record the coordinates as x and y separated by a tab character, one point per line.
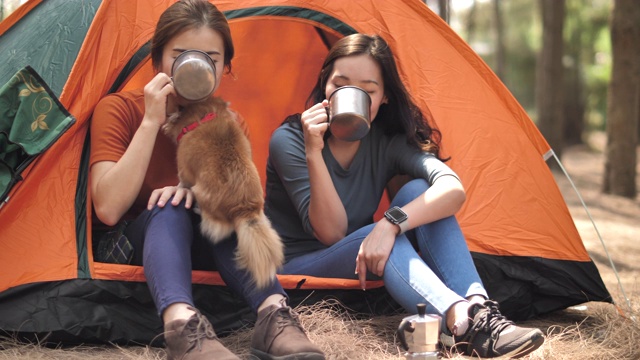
396	216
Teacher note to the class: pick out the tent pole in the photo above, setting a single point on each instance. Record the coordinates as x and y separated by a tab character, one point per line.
552	153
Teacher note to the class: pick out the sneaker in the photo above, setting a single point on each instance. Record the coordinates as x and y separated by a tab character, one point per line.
490	334
194	339
278	335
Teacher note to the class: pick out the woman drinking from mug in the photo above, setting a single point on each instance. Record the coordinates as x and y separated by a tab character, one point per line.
333	187
133	182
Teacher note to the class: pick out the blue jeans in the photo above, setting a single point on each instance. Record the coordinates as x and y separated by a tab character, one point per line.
169	245
440	273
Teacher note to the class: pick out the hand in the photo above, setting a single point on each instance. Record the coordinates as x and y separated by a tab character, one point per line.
314	125
156	96
160	197
374	250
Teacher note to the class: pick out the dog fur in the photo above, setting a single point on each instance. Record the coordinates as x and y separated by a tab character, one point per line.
214	160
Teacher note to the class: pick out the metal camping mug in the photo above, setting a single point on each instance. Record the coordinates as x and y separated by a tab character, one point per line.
348	111
194	75
419	335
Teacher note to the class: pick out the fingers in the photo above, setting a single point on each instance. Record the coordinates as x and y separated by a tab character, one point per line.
180	194
161	85
379	267
314	125
153	199
361	270
317	114
157	94
190	198
160	197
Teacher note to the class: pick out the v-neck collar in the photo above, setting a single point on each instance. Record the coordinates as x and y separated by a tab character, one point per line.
357	158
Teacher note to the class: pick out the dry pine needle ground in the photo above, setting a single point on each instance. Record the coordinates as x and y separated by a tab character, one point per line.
592	331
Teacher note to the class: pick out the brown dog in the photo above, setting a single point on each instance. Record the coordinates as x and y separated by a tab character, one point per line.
214	160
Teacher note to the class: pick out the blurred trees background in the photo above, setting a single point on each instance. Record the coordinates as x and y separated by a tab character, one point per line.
8	6
574	65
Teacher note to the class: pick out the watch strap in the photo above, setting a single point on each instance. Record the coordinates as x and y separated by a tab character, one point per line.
404	226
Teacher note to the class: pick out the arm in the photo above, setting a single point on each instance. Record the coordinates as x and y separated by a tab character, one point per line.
115	185
444	198
326	213
294	166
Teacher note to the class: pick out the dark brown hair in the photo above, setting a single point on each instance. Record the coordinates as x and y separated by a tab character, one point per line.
186	15
400	114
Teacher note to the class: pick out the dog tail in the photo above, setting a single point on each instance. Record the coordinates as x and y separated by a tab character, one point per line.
260	249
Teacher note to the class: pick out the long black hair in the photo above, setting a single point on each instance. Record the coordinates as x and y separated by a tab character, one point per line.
400	114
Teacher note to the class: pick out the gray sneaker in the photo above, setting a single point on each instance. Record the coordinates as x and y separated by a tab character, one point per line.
490	334
278	335
194	339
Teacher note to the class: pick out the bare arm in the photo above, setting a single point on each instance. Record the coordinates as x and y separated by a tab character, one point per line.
444	198
115	185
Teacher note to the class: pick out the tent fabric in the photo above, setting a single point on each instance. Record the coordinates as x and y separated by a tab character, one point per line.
522	237
120	312
31	119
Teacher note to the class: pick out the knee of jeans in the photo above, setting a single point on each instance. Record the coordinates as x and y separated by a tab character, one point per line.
170	210
410	191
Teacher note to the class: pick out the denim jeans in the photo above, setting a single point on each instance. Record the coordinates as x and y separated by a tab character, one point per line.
439	273
169	245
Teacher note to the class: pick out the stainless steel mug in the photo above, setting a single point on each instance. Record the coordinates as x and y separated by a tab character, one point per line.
349	118
194	75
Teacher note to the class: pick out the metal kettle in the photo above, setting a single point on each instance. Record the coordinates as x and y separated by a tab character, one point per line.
419	335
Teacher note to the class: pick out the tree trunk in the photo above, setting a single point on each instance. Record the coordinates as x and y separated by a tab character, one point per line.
549	83
443	9
574	97
500	48
471	22
622	101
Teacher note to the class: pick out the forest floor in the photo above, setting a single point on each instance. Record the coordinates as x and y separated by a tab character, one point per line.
589	331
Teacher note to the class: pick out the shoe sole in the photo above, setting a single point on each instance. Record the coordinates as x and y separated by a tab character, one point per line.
299	356
527	348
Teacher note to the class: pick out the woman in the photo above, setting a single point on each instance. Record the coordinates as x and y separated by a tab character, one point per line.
334	188
130	158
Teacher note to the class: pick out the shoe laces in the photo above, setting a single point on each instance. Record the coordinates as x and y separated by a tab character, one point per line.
491	320
200	329
287	317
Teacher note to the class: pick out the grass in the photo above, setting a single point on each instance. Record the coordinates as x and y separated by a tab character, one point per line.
590	331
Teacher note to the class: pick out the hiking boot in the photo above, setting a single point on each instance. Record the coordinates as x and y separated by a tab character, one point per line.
278	335
194	339
490	334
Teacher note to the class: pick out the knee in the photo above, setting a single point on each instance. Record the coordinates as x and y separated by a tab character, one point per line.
410	191
174	213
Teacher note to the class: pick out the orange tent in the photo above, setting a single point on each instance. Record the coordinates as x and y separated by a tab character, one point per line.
516	222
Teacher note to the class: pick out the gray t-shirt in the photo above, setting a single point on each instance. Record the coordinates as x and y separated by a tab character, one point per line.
378	159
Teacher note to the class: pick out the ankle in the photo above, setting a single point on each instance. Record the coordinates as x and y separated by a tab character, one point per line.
276	299
177	311
476	299
458	317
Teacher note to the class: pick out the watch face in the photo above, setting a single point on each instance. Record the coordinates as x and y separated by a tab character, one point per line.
397	215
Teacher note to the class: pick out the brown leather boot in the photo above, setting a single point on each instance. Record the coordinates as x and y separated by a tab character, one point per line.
194	339
278	335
